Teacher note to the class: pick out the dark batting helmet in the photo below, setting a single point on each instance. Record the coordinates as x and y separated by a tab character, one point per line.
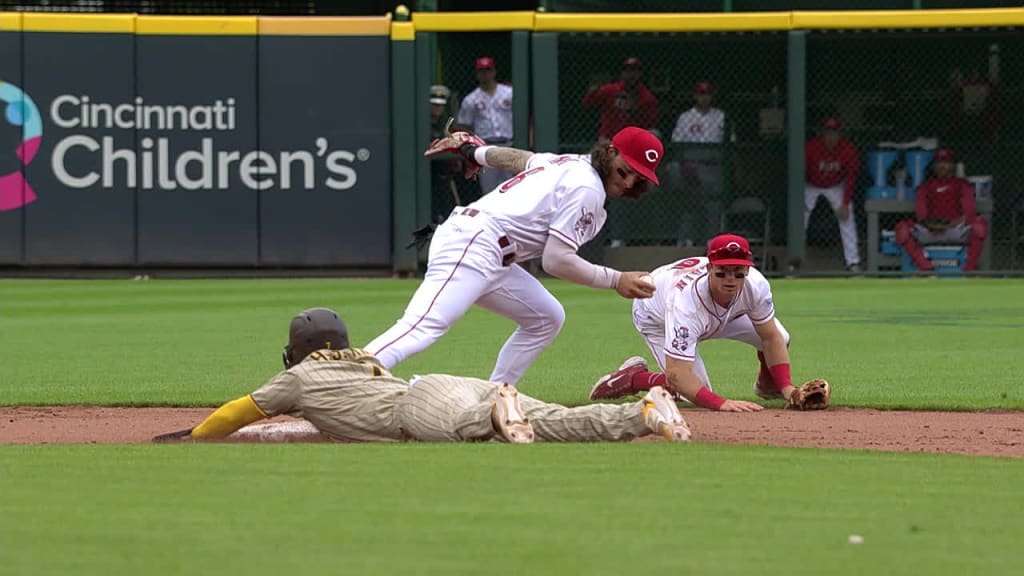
314	329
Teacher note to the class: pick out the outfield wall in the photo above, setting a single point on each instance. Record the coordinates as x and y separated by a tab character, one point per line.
192	141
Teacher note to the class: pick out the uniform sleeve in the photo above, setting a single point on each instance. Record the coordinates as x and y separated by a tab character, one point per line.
466	112
677	132
921	199
595	98
967	204
763	309
851	167
579	215
683	326
279	395
650	110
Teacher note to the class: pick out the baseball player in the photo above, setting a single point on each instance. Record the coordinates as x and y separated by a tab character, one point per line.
699	170
549	209
627	102
831	165
945	211
698	299
488	111
347	395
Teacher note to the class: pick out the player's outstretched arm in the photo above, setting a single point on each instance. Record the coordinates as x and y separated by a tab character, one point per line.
224	420
682	379
561	261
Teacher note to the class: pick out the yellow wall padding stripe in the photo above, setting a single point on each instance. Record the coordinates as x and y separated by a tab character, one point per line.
702	22
51	22
909	19
403	31
198	25
472	21
10	21
308	26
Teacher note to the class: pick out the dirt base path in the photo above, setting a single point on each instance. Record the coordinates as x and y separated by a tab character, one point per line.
985	433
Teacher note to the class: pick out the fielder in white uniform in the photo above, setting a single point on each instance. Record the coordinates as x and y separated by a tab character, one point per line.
698	299
487	110
344	394
552	207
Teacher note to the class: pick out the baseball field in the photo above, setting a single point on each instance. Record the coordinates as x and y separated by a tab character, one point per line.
918	467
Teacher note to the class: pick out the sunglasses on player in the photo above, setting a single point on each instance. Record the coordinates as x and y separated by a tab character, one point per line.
733	273
730	250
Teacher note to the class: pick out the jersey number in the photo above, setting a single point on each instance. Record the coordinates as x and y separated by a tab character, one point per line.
519	178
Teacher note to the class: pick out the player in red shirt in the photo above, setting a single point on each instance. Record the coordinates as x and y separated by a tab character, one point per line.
945	214
831	171
624	103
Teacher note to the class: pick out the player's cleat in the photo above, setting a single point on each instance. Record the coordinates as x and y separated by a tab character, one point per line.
767	391
618	383
508	418
662	416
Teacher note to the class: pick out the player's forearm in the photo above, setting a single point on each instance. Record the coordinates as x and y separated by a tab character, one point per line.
561	261
502	158
776	355
680	377
229	418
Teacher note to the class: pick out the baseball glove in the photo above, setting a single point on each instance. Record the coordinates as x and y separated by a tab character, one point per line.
813	395
460	143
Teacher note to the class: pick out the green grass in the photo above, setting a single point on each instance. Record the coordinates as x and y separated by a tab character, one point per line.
491	508
478	509
885	343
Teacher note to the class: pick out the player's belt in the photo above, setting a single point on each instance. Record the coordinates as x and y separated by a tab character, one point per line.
508	251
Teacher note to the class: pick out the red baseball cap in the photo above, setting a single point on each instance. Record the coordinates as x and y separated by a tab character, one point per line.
832	123
640	149
632	62
704	87
730	250
484	62
944	155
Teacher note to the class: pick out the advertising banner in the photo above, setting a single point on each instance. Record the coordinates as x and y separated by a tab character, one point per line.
80	201
15	109
201	150
324	123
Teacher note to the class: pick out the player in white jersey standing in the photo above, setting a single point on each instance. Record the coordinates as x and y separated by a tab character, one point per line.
697	172
698	299
552	207
488	112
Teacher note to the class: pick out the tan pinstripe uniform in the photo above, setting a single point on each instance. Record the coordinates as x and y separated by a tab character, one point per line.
349	396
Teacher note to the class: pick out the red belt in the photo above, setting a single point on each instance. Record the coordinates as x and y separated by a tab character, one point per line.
507	256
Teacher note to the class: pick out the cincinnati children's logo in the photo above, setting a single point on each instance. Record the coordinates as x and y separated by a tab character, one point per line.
21	114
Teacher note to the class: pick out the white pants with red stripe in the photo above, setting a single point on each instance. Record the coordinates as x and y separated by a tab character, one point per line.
847	228
653	332
465	268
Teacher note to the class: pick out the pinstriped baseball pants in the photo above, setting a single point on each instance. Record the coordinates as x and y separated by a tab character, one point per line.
442	408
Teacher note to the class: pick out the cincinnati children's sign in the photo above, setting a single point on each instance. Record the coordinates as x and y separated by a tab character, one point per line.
85	152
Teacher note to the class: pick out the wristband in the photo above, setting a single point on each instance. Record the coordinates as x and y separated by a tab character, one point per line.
780	375
480	155
708	399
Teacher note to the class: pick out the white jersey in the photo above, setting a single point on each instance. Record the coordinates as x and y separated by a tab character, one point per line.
694	126
490	116
682	302
556	194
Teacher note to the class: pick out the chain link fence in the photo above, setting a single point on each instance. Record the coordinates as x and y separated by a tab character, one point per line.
718	100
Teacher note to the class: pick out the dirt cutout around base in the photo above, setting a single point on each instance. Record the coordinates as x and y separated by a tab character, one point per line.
977	433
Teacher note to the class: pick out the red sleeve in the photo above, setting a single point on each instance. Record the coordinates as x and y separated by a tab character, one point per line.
595	99
967	200
650	110
809	161
921	202
851	166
